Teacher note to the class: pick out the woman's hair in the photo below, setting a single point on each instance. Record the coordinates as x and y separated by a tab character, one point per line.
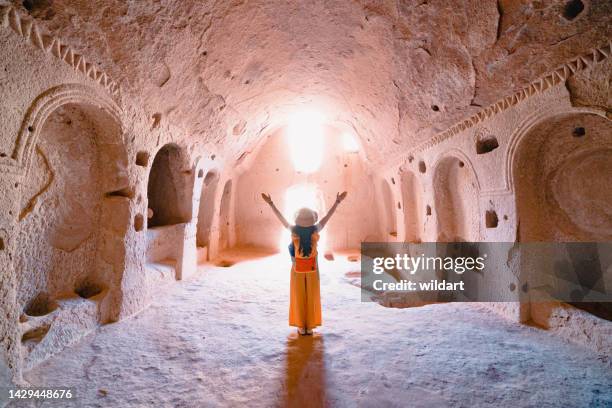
305	234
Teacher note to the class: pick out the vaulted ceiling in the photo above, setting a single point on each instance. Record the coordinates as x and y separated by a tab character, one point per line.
225	72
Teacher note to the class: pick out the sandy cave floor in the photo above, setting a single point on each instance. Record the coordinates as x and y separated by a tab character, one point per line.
222	339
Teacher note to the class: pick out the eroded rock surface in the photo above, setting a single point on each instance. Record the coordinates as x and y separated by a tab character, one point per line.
403	69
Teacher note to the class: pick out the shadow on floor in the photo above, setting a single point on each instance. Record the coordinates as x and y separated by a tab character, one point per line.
305	382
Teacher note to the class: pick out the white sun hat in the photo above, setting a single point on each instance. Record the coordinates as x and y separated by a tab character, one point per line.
305	217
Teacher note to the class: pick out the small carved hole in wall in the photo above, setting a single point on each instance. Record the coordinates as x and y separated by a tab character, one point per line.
505	217
142	159
156	120
428	210
36	6
461	164
28	5
126	192
435	108
392	180
512	287
422	167
200	173
30	128
88	290
1	244
138	222
210	177
41	305
399	205
34	336
579	131
410	159
2	154
212	156
486	144
491	219
572	9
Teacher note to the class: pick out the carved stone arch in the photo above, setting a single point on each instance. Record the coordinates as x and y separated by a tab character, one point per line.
456	200
526	126
458	154
44	105
170	186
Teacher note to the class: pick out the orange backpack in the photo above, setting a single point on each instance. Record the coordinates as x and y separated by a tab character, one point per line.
305	264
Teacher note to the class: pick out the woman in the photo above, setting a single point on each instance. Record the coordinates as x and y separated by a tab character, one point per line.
305	296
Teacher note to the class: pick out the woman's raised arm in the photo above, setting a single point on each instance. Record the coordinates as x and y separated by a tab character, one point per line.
281	218
339	198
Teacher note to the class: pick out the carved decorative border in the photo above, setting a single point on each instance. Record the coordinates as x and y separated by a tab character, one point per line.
32	32
39	111
459	155
557	76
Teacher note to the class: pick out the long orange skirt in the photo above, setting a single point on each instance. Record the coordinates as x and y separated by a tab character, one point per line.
305	299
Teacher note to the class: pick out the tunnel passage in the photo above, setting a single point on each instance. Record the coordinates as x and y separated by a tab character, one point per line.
168	190
562	174
456	201
207	209
271	169
69	210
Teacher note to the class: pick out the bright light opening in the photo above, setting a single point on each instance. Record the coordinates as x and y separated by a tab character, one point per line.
305	137
349	142
296	197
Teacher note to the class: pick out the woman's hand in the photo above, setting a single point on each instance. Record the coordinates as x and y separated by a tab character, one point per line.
266	198
340	197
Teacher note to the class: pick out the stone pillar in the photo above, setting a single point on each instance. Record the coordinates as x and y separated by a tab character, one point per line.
187	260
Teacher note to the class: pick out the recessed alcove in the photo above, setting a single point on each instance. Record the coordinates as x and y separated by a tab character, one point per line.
167	192
562	196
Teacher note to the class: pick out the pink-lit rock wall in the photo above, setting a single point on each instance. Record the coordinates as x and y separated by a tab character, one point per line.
270	169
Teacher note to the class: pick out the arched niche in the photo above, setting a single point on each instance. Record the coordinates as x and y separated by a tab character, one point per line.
74	207
224	216
456	200
168	189
412	205
207	209
47	103
561	171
